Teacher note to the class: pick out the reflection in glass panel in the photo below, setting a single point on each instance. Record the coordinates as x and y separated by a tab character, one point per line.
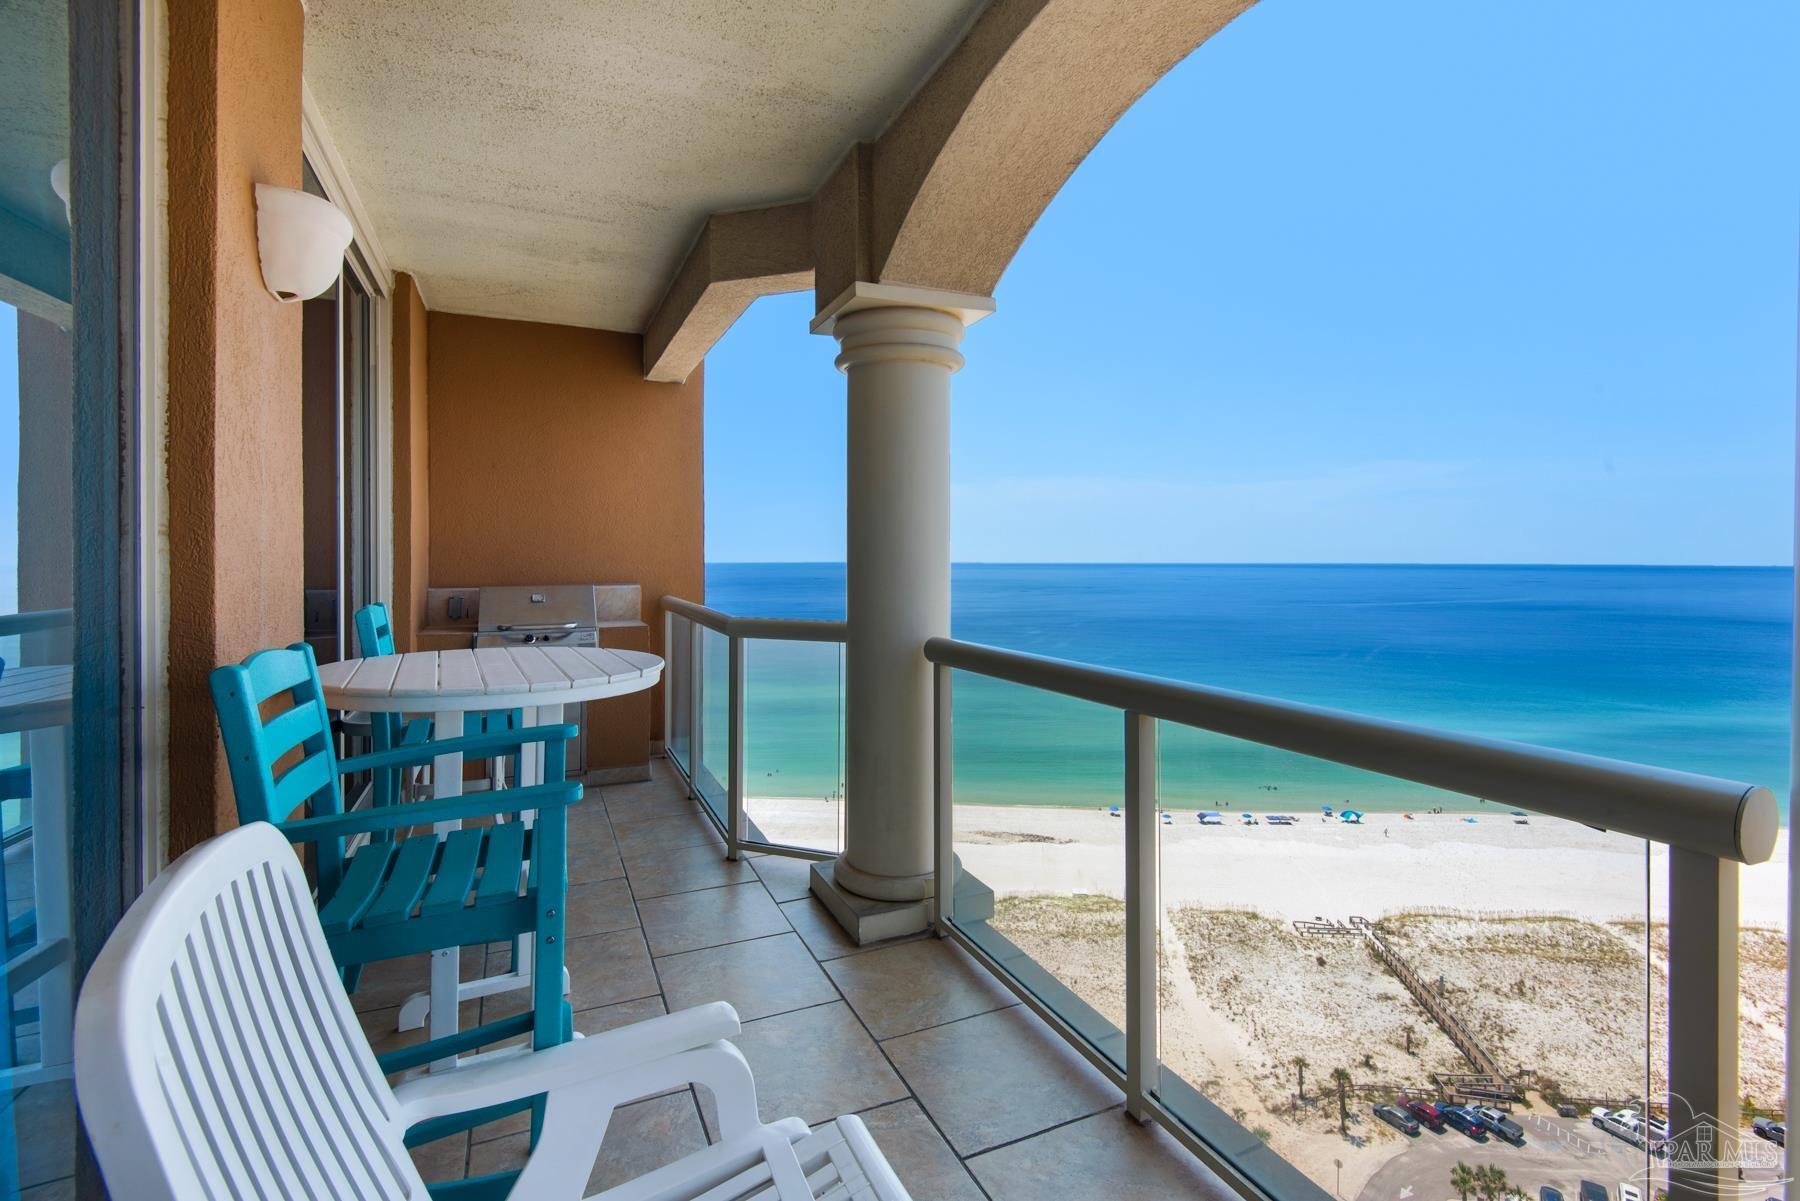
712	756
1335	941
36	592
1042	879
678	679
794	743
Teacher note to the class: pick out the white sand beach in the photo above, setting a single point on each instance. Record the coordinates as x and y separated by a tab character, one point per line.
1535	933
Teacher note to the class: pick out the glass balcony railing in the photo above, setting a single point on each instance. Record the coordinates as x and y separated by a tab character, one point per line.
755	716
1286	932
1288	924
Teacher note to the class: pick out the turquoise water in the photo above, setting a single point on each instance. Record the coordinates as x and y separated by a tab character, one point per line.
1674	666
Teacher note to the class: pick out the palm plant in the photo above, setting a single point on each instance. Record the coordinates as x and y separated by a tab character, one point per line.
1300	1065
1462	1179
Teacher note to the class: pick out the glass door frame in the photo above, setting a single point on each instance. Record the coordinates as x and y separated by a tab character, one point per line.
367	500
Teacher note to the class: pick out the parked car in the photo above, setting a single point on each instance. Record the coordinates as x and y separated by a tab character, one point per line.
1428	1114
1500	1124
1546	1193
1461	1119
1398	1118
1566	1110
1620	1123
1769	1128
1591	1191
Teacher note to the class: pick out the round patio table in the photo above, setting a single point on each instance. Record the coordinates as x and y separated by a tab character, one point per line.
448	684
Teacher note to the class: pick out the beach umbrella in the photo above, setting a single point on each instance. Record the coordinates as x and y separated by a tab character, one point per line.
1353	816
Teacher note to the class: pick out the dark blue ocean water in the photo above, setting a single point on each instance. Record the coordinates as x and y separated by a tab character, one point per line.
1675	666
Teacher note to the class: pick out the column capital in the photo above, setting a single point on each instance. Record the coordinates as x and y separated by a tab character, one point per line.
965	307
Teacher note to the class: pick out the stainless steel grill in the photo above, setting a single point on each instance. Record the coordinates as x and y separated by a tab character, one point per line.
553	615
556	615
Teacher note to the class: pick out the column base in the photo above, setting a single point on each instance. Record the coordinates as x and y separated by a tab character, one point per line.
864	919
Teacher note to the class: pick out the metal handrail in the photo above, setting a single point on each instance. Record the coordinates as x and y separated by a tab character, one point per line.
780	629
1720	818
31	622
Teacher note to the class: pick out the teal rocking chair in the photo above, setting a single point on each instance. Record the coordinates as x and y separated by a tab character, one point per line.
402	893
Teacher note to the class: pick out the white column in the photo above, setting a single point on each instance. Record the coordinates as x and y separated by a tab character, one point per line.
898	350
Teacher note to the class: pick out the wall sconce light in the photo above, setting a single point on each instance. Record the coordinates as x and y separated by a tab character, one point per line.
301	240
59	183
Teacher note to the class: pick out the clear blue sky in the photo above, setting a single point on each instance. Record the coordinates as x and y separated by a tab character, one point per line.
1391	281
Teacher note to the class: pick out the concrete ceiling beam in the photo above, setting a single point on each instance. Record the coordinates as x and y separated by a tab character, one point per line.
737	257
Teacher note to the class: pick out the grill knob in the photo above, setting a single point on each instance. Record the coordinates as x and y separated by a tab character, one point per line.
531	638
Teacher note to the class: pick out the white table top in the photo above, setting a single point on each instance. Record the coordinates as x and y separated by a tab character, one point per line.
499	677
34	698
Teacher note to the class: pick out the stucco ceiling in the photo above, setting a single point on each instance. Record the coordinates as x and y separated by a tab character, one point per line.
551	160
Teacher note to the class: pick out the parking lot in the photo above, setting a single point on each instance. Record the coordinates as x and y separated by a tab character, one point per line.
1560	1152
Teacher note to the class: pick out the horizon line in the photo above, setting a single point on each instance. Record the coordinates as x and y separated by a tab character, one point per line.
1268	563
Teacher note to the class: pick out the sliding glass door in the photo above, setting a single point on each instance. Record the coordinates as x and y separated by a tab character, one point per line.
338	384
70	812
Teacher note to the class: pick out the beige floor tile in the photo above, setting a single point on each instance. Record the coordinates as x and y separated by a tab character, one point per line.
640	1138
787	878
591	829
665	834
1001	1076
759	978
443	1160
652	805
686	869
814	923
42	1118
918	1153
592	862
604	969
687	921
387	982
813	1064
600	907
927	982
1103	1158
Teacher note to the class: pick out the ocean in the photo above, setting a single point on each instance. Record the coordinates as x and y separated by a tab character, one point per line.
1679	667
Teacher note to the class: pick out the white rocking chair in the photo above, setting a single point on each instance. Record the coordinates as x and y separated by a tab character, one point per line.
217	1056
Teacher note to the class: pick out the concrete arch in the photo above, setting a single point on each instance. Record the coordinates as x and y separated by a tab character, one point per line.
969	166
947	194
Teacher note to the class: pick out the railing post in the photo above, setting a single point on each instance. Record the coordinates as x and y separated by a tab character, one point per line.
943	760
1703	1022
668	684
696	705
1141	903
735	827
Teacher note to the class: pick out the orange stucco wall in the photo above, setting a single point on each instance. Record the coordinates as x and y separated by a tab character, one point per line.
234	376
553	461
412	464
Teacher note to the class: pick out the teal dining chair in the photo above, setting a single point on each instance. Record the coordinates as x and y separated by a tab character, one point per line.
375	636
414	890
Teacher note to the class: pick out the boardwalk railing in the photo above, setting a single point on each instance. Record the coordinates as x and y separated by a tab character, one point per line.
1431	1002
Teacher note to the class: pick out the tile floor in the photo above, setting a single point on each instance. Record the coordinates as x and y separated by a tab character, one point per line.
965	1090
